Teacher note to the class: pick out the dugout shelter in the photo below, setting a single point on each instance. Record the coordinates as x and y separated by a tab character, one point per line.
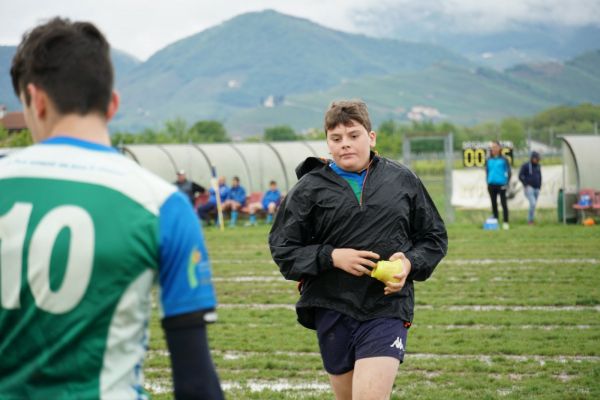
254	163
581	169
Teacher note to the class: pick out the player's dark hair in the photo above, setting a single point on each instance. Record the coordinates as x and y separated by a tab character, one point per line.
272	183
68	60
344	112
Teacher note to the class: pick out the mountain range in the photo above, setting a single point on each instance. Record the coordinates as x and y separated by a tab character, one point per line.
498	41
265	68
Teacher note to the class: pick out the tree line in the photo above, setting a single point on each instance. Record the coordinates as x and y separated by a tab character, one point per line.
543	127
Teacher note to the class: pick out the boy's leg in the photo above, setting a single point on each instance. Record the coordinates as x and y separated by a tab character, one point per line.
252	219
342	385
252	207
380	345
235	206
270	212
334	332
374	378
361	358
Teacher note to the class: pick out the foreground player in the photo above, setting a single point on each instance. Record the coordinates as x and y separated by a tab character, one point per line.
83	232
342	216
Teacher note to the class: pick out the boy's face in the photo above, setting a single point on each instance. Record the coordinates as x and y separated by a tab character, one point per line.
350	146
495	149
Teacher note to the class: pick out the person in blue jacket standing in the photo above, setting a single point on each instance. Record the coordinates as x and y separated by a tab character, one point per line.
530	176
236	199
497	169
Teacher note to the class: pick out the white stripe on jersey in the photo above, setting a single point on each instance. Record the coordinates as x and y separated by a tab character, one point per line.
122	376
73	163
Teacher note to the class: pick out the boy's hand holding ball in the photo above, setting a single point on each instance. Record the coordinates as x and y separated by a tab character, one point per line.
355	262
393	273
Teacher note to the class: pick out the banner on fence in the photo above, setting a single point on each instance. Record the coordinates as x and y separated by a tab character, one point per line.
469	189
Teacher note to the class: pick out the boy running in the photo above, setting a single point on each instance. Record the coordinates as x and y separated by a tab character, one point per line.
341	217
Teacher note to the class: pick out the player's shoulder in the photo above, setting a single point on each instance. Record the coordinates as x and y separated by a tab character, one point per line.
144	184
88	164
391	167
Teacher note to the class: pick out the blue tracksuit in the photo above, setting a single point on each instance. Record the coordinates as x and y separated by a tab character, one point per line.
497	171
237	193
271	196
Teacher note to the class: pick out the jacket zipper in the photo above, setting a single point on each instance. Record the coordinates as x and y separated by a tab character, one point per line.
362	190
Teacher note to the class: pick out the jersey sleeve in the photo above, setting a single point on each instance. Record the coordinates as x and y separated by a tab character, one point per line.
184	271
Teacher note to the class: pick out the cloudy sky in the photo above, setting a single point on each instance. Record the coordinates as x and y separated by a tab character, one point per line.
141	27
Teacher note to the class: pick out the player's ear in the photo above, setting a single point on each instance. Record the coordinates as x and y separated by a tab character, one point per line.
113	105
372	138
39	100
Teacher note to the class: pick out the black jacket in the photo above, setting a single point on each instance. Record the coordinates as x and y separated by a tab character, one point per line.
321	213
531	175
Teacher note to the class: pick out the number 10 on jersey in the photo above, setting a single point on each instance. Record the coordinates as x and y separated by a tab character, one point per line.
15	248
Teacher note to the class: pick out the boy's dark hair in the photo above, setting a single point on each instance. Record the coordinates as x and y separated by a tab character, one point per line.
68	60
272	183
344	112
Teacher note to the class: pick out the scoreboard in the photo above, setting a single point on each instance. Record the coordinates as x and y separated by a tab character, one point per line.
476	153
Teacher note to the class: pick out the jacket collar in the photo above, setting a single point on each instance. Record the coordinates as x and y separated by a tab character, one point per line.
319	163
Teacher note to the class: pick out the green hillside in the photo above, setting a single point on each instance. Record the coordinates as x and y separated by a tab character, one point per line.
462	95
565	83
241	62
264	68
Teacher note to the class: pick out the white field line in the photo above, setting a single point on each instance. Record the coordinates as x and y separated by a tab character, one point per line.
469	261
312	387
257	306
485	261
261	306
277	386
159	386
511	327
280	279
486	358
255	386
242	260
254	278
518	308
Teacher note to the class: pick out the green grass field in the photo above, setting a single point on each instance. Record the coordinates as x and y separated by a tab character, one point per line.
507	314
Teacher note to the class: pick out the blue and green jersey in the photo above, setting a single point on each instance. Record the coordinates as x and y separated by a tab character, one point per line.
84	232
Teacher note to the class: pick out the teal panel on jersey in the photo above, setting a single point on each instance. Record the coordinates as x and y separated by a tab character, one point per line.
107	239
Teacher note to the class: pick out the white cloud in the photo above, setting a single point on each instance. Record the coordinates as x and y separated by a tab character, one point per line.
141	27
487	15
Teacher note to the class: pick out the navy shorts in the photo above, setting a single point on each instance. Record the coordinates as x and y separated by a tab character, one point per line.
343	340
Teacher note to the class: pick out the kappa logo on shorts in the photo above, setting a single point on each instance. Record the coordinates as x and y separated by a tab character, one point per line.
398	344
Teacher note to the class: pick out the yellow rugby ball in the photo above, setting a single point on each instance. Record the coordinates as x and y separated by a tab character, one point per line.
384	271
